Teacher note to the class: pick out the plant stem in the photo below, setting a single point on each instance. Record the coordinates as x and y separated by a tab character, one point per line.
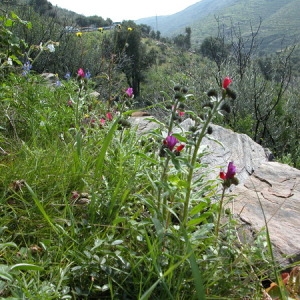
220	211
194	159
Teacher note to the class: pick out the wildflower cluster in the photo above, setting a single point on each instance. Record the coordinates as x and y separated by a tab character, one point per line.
229	176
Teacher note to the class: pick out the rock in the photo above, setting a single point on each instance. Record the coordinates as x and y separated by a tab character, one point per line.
143	124
263	184
274	188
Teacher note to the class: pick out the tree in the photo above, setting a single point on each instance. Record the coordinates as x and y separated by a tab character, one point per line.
216	50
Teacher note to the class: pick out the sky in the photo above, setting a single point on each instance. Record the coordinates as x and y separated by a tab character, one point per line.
119	10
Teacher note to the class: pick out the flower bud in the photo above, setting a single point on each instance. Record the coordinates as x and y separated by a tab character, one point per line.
177	88
208	104
230	93
184	89
212	93
178	95
181	106
209	130
225	107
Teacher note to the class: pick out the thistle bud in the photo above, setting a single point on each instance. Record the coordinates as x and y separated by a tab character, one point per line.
178	95
212	93
208	104
184	89
181	106
209	130
193	129
225	107
230	93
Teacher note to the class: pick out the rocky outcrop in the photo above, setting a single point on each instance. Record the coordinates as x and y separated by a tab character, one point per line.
271	196
268	192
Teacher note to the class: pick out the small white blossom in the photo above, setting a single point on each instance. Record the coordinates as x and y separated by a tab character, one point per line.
51	47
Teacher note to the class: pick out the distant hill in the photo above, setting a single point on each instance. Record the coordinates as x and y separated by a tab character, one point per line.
280	20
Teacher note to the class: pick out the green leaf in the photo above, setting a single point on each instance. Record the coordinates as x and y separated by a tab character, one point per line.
117	242
26	267
198	208
4	273
9	244
199	220
180	138
8	23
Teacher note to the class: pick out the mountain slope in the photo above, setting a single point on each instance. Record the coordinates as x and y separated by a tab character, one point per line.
170	24
280	20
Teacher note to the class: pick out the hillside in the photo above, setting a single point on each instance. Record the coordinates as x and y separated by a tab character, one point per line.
280	22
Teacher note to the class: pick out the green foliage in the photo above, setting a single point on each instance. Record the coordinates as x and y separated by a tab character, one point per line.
91	210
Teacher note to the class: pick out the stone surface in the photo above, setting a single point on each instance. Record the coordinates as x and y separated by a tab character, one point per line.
274	189
265	186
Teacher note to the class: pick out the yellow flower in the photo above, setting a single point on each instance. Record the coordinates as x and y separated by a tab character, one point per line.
100	29
129	29
79	34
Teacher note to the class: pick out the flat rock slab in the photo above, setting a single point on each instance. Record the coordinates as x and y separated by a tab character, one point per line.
272	190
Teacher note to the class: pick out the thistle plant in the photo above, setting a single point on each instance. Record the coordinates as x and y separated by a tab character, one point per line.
174	144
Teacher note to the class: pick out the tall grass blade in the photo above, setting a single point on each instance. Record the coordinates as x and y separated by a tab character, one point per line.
40	207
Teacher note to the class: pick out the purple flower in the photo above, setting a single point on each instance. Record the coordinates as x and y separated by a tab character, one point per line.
129	92
231	170
26	68
170	142
67	76
87	75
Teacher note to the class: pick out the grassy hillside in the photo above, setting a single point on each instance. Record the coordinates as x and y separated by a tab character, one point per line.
280	22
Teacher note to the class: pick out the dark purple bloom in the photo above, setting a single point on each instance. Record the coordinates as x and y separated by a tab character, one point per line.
170	141
231	171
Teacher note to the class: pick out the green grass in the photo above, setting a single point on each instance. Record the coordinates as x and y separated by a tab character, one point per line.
118	243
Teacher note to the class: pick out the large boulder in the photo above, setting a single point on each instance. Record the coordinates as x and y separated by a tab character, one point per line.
268	192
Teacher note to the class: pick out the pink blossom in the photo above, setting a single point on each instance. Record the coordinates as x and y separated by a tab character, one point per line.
109	116
129	92
80	73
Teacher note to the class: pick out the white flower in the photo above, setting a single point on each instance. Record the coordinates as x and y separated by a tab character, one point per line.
51	47
9	61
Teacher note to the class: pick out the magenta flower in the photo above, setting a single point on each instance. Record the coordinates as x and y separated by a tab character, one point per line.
129	92
170	142
226	82
80	73
229	177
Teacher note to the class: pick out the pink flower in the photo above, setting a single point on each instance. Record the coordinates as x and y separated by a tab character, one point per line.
80	73
226	82
129	92
102	121
109	116
180	113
